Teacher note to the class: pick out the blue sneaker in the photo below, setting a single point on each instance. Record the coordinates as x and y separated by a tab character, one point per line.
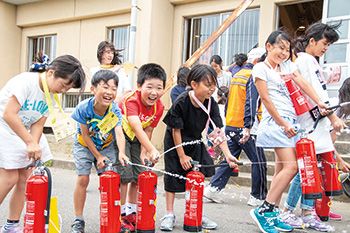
264	221
279	223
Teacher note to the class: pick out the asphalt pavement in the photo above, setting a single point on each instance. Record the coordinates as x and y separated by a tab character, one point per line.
231	216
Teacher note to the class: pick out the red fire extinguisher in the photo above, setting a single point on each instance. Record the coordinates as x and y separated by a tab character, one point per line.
38	196
330	174
146	201
194	199
300	103
110	212
322	207
309	174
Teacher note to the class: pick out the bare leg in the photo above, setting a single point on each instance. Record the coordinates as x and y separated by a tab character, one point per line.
80	194
132	193
8	179
17	197
285	174
169	199
123	192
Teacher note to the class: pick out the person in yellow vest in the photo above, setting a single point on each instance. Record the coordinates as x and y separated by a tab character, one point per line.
241	108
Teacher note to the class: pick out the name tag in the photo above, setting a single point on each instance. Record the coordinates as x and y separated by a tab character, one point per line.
108	123
63	128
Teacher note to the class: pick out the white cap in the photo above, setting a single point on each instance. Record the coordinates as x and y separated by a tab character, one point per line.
255	53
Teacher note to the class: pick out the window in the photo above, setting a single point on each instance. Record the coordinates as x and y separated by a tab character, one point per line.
47	44
335	11
71	100
119	36
240	37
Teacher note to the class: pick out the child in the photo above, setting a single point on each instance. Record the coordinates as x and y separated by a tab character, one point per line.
223	77
185	122
276	128
239	121
141	111
240	62
181	83
318	37
22	122
108	57
91	145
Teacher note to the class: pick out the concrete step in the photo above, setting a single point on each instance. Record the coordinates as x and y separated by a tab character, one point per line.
270	155
244	179
248	168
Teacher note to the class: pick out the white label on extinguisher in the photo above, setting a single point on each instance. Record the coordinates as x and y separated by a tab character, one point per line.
187	195
103	209
301	163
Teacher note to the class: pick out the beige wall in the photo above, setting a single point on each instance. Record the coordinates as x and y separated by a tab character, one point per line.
10	45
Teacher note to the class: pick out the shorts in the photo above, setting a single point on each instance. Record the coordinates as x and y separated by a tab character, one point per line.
271	135
130	173
83	158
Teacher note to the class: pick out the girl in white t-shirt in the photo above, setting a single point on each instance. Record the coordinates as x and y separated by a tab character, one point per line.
23	112
314	43
276	128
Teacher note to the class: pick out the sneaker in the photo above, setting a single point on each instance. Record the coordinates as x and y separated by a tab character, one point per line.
264	221
16	229
213	194
167	222
78	226
211	152
292	220
254	201
311	221
126	224
208	224
334	216
131	218
279	223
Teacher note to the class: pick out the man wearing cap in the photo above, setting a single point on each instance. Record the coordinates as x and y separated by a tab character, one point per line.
241	109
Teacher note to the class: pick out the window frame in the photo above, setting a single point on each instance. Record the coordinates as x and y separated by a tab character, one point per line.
32	53
82	97
112	31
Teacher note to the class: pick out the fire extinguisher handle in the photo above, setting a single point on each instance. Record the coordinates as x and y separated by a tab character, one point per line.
148	163
36	163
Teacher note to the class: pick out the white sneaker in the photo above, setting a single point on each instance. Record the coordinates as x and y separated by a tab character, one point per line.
254	201
213	194
208	224
167	223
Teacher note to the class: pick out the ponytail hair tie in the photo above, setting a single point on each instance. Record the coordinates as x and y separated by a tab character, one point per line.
41	66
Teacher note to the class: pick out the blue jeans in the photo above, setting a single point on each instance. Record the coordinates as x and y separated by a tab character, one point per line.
294	194
256	156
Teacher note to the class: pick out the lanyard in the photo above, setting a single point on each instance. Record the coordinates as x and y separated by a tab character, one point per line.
49	100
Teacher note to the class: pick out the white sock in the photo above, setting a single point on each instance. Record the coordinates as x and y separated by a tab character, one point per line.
122	210
130	208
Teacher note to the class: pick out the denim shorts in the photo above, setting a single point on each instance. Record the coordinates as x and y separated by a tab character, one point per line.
83	158
130	173
271	135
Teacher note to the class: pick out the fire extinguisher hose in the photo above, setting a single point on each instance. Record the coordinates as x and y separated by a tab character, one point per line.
48	202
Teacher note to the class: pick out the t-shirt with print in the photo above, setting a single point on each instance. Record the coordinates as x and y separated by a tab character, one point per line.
123	84
84	114
134	107
311	71
277	89
13	150
25	87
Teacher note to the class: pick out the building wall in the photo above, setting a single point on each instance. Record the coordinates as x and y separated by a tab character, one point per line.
10	45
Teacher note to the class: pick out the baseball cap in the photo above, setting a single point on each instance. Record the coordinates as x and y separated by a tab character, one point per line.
254	54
